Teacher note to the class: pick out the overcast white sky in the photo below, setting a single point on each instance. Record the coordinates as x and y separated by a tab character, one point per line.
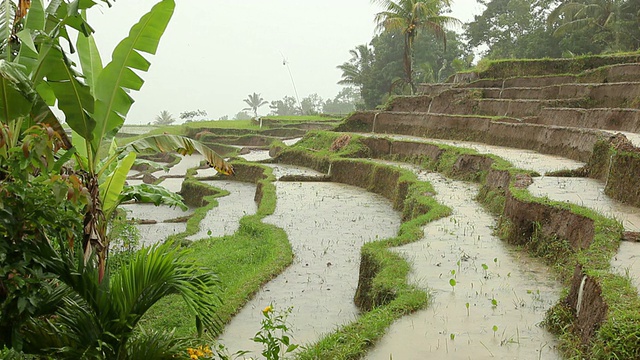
217	52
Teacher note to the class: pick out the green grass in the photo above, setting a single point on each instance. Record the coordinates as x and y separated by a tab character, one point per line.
184	128
302	118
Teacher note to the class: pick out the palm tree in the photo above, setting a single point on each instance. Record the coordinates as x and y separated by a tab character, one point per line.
254	101
164	118
355	71
96	320
408	17
596	16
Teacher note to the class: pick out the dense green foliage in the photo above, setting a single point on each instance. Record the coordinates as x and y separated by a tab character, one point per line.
374	68
546	28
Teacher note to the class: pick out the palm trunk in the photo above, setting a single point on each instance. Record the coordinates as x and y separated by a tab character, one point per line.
95	227
408	61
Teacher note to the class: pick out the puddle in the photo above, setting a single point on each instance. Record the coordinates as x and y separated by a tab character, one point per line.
326	223
507	292
293	141
134	174
626	262
172	184
224	219
156	233
180	169
256	155
208	172
281	170
520	158
590	193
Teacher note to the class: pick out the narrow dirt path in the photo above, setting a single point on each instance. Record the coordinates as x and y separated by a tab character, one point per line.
487	298
327	223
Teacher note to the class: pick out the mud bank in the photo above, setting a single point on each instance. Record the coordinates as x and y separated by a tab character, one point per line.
411	146
607	119
502	69
572	143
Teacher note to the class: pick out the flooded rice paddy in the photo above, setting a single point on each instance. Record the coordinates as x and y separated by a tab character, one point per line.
487	299
520	158
151	234
589	193
224	219
326	223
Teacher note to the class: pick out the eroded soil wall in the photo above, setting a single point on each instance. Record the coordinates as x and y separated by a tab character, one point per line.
576	144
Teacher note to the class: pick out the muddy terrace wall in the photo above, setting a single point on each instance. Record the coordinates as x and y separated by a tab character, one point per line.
598	108
608	119
616	162
576	144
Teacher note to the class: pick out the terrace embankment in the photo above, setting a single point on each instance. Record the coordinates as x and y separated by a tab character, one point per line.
534	105
580	248
577	242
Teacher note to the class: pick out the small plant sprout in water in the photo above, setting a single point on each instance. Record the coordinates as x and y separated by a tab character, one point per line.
495	329
467	306
452	282
485	267
452	336
494	303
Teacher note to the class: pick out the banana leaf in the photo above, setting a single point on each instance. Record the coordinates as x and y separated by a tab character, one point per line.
182	145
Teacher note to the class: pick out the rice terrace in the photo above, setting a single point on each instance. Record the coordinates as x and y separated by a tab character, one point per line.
484	210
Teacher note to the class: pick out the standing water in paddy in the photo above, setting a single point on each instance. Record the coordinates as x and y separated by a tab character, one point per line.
327	224
487	299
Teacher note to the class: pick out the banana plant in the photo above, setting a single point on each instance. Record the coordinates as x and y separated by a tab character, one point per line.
95	102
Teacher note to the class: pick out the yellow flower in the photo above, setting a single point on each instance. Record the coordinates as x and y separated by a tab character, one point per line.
193	357
267	310
190	351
